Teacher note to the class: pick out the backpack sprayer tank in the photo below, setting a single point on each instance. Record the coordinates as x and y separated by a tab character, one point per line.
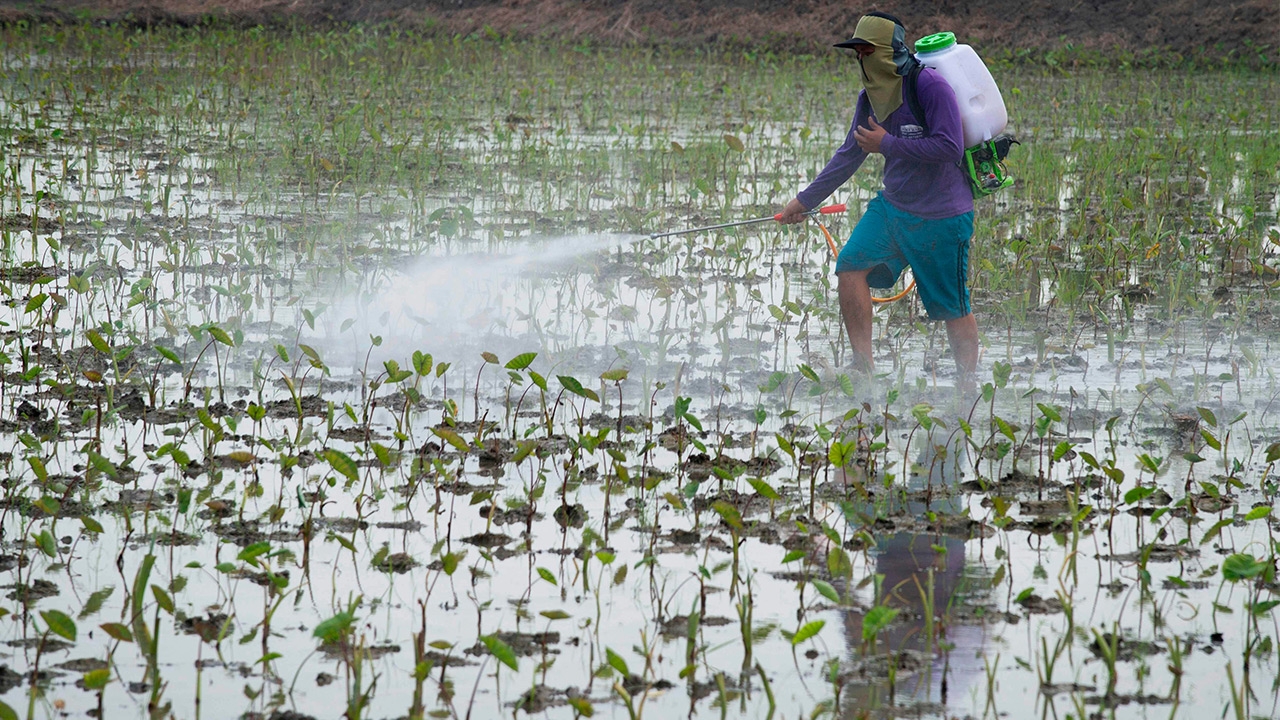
982	112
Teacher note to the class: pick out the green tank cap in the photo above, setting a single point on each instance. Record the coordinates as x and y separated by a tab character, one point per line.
935	42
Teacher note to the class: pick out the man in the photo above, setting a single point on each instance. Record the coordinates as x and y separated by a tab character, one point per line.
924	216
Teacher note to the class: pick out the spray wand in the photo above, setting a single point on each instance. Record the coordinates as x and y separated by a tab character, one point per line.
828	210
831	242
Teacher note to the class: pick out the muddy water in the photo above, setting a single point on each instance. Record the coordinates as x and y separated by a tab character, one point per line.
1037	535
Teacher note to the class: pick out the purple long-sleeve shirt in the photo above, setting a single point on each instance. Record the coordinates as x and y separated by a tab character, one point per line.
920	171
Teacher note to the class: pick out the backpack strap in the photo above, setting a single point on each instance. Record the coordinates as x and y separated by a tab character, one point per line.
909	86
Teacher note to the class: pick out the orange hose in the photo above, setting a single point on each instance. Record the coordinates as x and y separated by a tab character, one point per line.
835	252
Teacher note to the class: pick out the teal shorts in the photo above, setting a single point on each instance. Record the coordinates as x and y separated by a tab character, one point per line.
887	240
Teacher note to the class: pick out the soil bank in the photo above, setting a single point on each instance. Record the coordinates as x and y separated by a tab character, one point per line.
1242	29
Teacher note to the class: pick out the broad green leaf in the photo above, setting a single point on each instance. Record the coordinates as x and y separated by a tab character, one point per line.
920	412
1258	513
1138	494
794	555
1210	439
42	473
842	453
118	631
97	342
616	662
251	553
877	619
242	457
97	679
46	543
384	455
785	445
574	386
547	575
1263	607
525	447
1050	412
846	384
734	143
1215	529
521	361
60	623
207	420
333	628
221	336
1005	428
1242	566
452	438
809	373
102	464
1001	372
554	614
48	505
775	381
838	562
501	651
826	589
807	631
162	599
580	704
614	375
763	489
728	513
449	561
342	464
423	362
538	380
95	601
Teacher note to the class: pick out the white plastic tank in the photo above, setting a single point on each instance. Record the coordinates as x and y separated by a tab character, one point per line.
982	111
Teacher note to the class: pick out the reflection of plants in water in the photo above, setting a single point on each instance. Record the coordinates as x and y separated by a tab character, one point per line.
1107	645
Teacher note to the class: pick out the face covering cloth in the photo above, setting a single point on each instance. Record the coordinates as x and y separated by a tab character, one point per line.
883	70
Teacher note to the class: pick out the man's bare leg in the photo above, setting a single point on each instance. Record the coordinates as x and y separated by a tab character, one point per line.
855	308
963	336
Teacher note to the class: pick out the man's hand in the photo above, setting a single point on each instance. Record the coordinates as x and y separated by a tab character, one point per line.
869	138
793	213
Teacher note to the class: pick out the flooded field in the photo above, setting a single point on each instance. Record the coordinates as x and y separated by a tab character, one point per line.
341	376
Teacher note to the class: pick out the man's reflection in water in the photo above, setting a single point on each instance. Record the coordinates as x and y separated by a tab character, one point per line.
920	565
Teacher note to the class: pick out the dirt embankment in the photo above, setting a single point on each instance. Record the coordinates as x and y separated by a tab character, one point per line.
1244	29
